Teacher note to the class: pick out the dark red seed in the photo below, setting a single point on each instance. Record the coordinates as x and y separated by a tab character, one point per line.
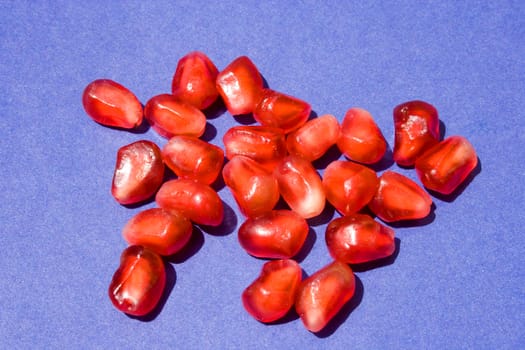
357	238
416	129
138	283
195	200
111	104
139	172
399	198
272	294
323	294
445	166
282	111
194	80
161	231
278	234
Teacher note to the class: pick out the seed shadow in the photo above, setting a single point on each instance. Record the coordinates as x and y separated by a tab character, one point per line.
227	226
281	205
140	204
245	119
216	109
308	244
332	154
385	162
427	220
210	132
313	114
290	316
325	217
190	249
455	194
389	260
219	183
142	128
442	130
345	311
171	278
265	82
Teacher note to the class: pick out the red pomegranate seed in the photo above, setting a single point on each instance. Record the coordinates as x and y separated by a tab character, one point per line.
281	111
399	198
111	104
272	294
445	166
194	80
322	295
300	186
191	158
139	172
169	116
139	281
254	188
158	230
349	186
357	238
313	139
196	201
416	129
240	85
265	145
278	234
361	139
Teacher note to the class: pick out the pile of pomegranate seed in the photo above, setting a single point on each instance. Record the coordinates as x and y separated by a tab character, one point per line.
267	162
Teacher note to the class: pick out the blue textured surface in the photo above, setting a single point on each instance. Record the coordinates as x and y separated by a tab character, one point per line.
457	281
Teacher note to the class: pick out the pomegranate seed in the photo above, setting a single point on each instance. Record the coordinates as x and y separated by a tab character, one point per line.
300	186
323	294
357	238
278	234
111	104
416	129
265	145
361	139
240	85
169	116
399	198
139	172
194	80
158	230
349	186
445	166
313	139
192	158
281	111
254	188
196	201
139	281
272	294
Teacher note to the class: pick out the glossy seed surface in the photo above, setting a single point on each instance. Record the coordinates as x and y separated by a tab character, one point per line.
161	231
278	234
399	198
139	171
445	166
254	188
194	80
195	200
192	158
272	294
139	281
112	104
322	295
357	238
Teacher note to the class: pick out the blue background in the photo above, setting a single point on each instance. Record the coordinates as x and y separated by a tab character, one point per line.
458	278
